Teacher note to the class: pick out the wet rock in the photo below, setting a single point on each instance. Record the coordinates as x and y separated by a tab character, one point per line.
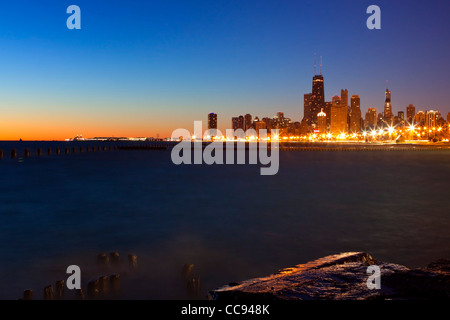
343	277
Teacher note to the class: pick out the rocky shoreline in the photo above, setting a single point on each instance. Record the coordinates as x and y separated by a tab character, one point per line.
344	276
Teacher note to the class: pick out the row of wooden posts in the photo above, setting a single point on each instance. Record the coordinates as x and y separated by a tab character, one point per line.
363	149
103	287
58	150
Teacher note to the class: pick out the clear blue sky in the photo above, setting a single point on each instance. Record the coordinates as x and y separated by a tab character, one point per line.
139	68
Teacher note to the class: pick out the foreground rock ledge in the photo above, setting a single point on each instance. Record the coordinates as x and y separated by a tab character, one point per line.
343	277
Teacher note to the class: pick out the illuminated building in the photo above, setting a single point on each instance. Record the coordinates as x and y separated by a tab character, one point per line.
317	98
247	121
410	113
338	117
268	122
327	110
235	123
259	125
212	121
420	118
322	122
280	119
314	101
255	121
241	122
344	98
304	128
371	118
355	114
388	106
307	108
430	119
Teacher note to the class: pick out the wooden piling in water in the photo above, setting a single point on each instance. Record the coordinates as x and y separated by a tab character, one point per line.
115	258
48	292
1	154
67	150
13	153
187	270
27	153
114	281
92	289
59	289
193	286
79	295
28	294
132	261
39	152
58	150
103	285
102	258
49	151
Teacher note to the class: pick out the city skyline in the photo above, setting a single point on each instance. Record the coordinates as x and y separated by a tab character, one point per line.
343	116
140	69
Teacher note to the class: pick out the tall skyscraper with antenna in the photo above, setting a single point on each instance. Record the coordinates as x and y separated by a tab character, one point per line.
387	105
318	94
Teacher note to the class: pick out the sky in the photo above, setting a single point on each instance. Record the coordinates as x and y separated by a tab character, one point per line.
145	68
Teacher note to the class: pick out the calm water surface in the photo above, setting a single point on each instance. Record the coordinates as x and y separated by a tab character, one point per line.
229	221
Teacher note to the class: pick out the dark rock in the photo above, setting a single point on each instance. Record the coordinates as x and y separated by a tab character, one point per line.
343	277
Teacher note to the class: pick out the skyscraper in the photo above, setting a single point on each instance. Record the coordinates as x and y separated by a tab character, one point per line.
280	116
344	97
430	119
355	114
371	118
268	122
235	123
212	121
317	97
327	110
410	113
338	117
241	122
322	122
307	108
419	118
314	102
248	121
388	106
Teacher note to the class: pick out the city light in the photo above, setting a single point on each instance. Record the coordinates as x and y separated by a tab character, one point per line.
340	120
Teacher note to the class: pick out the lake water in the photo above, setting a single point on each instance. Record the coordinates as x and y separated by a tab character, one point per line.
228	220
